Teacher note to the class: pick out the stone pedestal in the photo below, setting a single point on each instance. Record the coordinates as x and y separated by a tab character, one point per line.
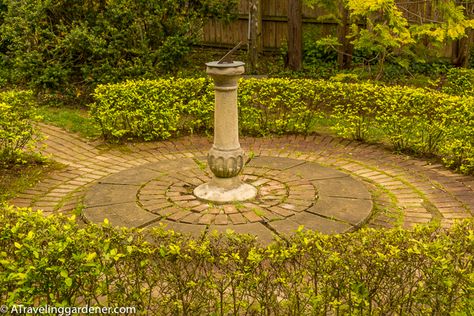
226	158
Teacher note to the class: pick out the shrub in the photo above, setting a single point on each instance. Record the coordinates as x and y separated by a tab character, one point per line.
152	109
277	106
17	130
460	81
54	261
61	45
414	120
457	149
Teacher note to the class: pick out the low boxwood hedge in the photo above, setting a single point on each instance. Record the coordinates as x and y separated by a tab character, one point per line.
17	129
54	261
415	120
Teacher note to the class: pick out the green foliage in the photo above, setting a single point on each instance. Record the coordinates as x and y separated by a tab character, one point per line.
152	109
277	106
386	30
17	130
345	77
460	81
413	120
457	149
62	45
320	52
356	110
75	120
54	261
397	31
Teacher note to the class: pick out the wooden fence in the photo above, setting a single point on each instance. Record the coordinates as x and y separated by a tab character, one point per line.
274	19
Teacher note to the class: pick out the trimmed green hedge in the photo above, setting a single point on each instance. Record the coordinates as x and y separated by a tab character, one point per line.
415	120
52	260
17	130
152	109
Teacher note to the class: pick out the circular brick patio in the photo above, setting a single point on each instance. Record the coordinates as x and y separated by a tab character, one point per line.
291	193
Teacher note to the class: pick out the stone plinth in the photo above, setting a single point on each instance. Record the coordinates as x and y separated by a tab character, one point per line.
226	157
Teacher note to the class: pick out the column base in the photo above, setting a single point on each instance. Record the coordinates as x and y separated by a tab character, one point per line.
213	192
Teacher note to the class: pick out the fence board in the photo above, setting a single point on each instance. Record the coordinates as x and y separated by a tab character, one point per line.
268	35
243	7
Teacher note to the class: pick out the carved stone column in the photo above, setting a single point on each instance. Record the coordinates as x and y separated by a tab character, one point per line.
225	158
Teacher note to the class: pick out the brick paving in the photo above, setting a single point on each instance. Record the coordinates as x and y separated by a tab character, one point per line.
403	190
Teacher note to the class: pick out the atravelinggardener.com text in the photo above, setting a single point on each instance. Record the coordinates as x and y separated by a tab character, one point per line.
66	310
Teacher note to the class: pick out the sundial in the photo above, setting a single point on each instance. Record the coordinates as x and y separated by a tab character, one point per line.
226	59
226	157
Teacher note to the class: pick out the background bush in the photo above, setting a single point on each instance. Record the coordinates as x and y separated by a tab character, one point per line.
51	260
459	81
17	130
64	46
415	120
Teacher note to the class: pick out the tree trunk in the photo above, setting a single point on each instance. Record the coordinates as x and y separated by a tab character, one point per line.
295	36
469	62
461	50
254	35
344	55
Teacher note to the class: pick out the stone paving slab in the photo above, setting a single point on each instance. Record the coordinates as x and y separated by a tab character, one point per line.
349	210
269	162
119	214
132	176
342	187
175	164
110	194
317	172
402	189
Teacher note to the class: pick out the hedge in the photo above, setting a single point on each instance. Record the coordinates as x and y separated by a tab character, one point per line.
17	129
152	109
54	261
415	120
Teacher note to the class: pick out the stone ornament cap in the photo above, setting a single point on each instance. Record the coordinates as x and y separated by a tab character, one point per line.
225	74
217	64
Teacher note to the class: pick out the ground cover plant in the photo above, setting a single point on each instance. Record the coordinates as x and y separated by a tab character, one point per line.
418	121
72	119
